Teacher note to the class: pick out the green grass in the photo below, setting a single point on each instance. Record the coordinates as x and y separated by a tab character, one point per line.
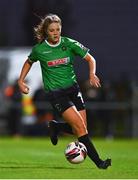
34	158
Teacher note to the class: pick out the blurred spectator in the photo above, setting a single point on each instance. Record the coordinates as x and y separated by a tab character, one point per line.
124	94
29	117
39	100
43	115
89	93
123	88
15	109
106	114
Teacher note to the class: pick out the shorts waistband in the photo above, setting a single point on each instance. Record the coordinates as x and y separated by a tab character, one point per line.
66	88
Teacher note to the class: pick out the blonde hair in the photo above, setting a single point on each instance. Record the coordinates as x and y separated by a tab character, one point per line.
41	29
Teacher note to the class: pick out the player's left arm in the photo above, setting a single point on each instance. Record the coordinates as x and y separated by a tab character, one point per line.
94	80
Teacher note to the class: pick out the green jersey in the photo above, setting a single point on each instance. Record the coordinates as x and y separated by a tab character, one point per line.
57	62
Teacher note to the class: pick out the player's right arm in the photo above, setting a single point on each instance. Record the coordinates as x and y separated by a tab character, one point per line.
21	81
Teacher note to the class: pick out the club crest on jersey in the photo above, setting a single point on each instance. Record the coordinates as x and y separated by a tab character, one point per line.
57	62
64	48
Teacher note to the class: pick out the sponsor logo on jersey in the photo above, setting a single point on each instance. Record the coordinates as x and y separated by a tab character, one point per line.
57	62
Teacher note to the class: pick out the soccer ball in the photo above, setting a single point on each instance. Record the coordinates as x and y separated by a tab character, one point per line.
75	152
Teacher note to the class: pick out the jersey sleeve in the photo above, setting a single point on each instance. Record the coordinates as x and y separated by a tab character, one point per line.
33	55
79	49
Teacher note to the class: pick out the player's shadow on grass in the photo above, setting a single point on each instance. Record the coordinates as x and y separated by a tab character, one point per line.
16	165
37	167
19	165
34	167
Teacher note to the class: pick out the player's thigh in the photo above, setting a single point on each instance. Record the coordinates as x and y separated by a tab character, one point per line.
74	118
84	116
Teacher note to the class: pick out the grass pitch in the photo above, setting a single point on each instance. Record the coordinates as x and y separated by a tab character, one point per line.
37	158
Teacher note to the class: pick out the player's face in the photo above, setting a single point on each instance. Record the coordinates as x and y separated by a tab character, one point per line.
54	32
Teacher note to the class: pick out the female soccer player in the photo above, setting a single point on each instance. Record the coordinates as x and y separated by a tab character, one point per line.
56	55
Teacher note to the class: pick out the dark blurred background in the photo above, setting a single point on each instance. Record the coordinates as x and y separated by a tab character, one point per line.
109	28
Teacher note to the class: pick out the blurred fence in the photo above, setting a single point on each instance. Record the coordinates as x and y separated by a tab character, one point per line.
105	119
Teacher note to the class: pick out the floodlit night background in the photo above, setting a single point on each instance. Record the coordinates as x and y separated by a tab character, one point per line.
109	28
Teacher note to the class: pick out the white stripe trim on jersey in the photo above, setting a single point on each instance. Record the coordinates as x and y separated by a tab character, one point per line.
54	45
85	55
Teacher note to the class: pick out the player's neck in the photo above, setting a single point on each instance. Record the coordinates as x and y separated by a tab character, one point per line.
53	43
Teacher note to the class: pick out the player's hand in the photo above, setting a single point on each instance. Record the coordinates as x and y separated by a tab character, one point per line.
23	87
95	81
